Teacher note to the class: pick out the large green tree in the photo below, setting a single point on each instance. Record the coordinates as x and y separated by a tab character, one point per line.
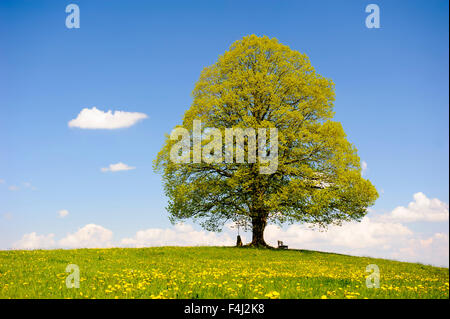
261	83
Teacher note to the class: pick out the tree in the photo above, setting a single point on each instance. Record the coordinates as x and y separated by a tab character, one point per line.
261	83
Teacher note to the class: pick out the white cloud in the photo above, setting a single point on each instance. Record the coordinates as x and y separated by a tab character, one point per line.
363	167
369	237
97	119
2	181
350	236
95	236
89	236
34	241
432	250
29	185
383	236
179	235
63	213
379	236
421	209
117	167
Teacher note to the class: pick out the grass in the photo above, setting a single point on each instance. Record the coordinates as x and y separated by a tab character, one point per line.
212	272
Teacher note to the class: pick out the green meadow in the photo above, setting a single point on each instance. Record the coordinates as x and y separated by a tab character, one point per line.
212	272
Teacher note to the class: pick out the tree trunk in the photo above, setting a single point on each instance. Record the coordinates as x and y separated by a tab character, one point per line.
258	225
239	241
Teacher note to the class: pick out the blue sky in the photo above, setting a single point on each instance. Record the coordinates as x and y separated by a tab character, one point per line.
145	56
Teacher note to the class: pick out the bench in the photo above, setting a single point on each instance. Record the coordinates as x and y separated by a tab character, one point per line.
281	246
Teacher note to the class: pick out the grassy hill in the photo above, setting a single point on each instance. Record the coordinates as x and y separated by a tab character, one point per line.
212	272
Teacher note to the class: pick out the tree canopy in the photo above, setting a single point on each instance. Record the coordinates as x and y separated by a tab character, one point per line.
261	83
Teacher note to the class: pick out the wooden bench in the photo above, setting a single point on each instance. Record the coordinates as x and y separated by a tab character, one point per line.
281	246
